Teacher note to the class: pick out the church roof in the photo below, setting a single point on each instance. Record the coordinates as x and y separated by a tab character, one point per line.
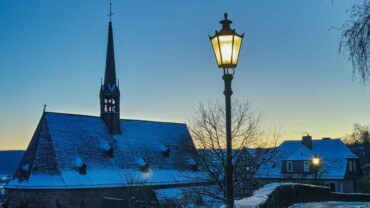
62	143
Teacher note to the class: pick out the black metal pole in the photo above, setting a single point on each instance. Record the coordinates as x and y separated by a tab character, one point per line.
229	169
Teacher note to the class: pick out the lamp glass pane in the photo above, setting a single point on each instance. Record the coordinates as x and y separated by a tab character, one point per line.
226	48
216	49
236	49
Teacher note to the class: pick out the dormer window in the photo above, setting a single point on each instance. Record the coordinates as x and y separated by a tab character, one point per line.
82	169
108	150
25	169
81	166
165	151
193	164
143	165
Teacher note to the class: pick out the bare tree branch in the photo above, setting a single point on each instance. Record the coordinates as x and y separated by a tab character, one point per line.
356	39
208	131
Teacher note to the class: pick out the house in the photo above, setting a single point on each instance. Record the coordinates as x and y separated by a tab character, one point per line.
88	161
364	183
338	167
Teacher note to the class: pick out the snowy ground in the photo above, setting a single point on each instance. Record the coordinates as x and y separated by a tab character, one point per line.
332	204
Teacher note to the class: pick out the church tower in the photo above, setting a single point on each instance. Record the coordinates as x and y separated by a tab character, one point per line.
109	91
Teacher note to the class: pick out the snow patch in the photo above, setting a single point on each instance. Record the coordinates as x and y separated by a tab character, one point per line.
191	162
105	146
78	163
141	162
26	167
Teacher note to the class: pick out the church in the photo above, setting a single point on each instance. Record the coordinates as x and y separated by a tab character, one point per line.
85	161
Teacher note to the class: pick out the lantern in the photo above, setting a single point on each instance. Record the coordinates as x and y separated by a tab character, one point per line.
226	45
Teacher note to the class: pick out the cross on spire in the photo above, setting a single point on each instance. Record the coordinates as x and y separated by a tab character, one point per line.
110	11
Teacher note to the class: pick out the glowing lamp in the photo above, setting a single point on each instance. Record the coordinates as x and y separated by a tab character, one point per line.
226	45
315	160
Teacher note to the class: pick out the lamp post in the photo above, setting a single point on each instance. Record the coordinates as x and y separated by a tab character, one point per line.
226	45
316	163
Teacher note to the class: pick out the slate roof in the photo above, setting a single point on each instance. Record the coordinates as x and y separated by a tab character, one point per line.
62	139
333	153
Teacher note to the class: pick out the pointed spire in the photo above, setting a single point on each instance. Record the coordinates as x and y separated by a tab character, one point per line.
110	66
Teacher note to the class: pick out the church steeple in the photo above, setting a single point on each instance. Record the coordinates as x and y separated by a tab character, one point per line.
110	66
109	91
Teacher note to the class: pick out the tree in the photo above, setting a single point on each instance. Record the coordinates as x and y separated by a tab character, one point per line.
360	135
359	142
356	39
209	134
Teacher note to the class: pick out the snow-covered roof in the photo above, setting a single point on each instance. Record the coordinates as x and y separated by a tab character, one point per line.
332	152
63	140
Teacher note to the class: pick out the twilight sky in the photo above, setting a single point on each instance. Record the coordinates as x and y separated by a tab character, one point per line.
53	52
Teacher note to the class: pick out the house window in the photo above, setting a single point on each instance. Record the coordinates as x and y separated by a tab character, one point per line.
352	166
289	166
306	166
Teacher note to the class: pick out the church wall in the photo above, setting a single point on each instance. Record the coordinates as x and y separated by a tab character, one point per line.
75	198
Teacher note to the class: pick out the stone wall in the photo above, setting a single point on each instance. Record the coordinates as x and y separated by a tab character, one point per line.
87	197
76	198
287	194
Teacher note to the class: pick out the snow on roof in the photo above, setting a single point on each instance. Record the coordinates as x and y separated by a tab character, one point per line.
26	167
333	153
62	138
105	146
78	163
141	162
191	161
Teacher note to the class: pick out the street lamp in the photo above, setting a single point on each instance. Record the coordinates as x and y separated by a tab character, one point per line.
316	163
226	45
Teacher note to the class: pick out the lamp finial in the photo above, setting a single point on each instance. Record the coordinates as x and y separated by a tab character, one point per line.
225	15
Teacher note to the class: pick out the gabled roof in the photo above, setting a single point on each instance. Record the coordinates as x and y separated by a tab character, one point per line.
333	153
62	139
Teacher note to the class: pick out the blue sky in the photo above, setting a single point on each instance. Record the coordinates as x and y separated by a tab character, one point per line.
53	52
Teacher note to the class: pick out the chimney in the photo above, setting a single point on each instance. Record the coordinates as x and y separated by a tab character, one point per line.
307	141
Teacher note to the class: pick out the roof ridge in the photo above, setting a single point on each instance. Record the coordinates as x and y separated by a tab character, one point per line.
169	122
122	119
71	114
